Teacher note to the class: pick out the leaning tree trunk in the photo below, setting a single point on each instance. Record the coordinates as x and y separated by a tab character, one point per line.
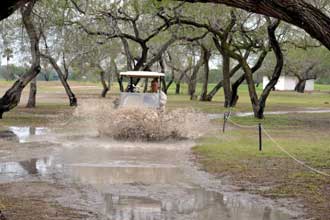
104	84
193	78
32	94
214	91
234	93
277	70
207	55
178	84
300	87
13	95
162	79
219	85
61	76
170	82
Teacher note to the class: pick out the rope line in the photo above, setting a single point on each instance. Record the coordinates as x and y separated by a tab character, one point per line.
293	157
227	117
239	125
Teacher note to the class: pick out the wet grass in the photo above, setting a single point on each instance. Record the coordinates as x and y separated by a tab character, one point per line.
42	115
306	136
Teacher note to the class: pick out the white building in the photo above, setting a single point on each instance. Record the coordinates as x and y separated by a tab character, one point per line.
288	83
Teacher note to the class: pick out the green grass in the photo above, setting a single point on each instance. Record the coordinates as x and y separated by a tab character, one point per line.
306	136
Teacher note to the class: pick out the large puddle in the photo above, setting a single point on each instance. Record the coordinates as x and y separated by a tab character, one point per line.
136	180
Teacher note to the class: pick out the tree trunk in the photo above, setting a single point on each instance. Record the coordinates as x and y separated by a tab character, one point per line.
104	92
169	85
12	97
226	78
227	74
206	56
172	73
300	87
234	96
219	85
251	87
177	87
129	60
32	95
214	91
193	78
234	93
104	84
61	76
178	83
164	86
162	79
277	70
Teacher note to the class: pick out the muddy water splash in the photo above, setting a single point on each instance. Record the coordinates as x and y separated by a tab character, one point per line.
143	123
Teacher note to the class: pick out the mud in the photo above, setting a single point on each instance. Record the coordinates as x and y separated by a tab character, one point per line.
142	124
77	173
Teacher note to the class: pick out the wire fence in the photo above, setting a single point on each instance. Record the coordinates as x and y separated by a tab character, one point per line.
227	117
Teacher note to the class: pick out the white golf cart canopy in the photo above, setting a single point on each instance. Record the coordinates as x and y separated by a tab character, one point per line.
142	74
136	98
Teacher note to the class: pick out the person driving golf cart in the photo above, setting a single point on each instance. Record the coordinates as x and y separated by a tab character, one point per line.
155	88
132	97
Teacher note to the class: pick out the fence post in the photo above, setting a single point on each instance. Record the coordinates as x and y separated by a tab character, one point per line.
260	136
224	122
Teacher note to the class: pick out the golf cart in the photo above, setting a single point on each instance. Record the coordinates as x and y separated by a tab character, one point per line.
133	96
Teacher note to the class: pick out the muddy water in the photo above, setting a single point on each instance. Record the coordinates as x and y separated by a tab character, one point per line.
137	180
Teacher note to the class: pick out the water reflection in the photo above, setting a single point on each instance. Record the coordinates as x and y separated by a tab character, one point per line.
125	207
25	168
24	133
194	204
30	166
8	135
103	175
